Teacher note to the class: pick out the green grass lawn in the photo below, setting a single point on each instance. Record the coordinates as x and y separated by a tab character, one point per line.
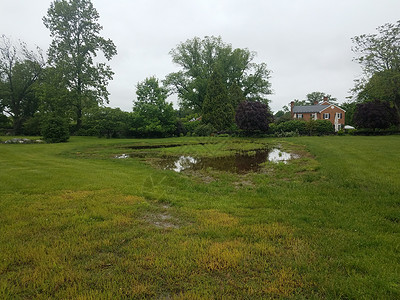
76	223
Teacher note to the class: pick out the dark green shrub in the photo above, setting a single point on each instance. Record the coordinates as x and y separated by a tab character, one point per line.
298	126
190	126
5	122
319	127
204	130
55	129
340	132
32	126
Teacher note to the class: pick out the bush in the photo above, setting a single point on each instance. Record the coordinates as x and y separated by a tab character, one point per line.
301	127
253	116
32	126
298	126
286	134
319	127
204	130
190	126
5	122
55	130
375	115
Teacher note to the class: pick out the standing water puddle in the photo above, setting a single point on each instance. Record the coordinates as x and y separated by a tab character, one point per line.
240	162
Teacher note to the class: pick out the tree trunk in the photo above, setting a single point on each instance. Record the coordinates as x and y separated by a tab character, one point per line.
17	125
78	118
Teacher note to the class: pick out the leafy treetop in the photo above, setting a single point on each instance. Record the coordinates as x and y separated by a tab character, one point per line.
75	30
199	57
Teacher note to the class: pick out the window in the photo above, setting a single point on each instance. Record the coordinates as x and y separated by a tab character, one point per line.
339	115
326	116
299	116
314	116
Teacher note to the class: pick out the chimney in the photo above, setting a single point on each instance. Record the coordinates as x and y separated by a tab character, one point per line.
291	106
326	99
316	102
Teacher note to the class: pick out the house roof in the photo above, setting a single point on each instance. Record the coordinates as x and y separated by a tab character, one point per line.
317	108
309	108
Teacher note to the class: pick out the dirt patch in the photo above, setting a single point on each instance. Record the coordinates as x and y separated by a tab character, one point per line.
162	219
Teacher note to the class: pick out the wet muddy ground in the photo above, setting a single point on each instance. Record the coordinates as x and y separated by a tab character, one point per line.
239	162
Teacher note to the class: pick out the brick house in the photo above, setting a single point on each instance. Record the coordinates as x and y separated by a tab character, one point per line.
319	111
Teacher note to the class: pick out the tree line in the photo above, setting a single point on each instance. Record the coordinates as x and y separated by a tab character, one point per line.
220	88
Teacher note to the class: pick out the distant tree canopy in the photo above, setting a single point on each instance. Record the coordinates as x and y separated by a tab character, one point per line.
375	115
152	115
379	56
384	85
198	59
75	30
314	97
318	97
349	107
20	71
379	51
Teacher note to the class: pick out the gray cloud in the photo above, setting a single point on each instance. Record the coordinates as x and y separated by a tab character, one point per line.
306	43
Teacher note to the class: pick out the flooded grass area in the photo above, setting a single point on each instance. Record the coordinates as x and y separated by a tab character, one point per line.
233	157
241	162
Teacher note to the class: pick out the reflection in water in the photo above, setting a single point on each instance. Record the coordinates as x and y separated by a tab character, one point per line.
184	162
122	156
240	162
277	155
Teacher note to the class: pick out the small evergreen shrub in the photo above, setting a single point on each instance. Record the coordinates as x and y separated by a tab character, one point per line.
55	130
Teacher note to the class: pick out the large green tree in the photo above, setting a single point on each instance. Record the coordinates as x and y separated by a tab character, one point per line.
384	85
153	116
379	51
75	30
198	58
379	56
217	109
20	70
318	97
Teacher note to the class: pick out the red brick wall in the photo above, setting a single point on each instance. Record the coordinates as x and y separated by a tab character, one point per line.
332	110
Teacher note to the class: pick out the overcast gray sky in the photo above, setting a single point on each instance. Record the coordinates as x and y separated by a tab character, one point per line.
306	43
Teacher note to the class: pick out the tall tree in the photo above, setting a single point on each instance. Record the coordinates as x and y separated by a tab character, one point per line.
153	116
75	30
349	107
379	51
384	85
379	56
318	97
20	69
217	109
198	59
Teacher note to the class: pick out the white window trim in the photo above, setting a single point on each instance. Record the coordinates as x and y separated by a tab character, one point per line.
299	116
327	116
339	115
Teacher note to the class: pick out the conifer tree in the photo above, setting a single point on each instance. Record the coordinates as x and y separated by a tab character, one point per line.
217	107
